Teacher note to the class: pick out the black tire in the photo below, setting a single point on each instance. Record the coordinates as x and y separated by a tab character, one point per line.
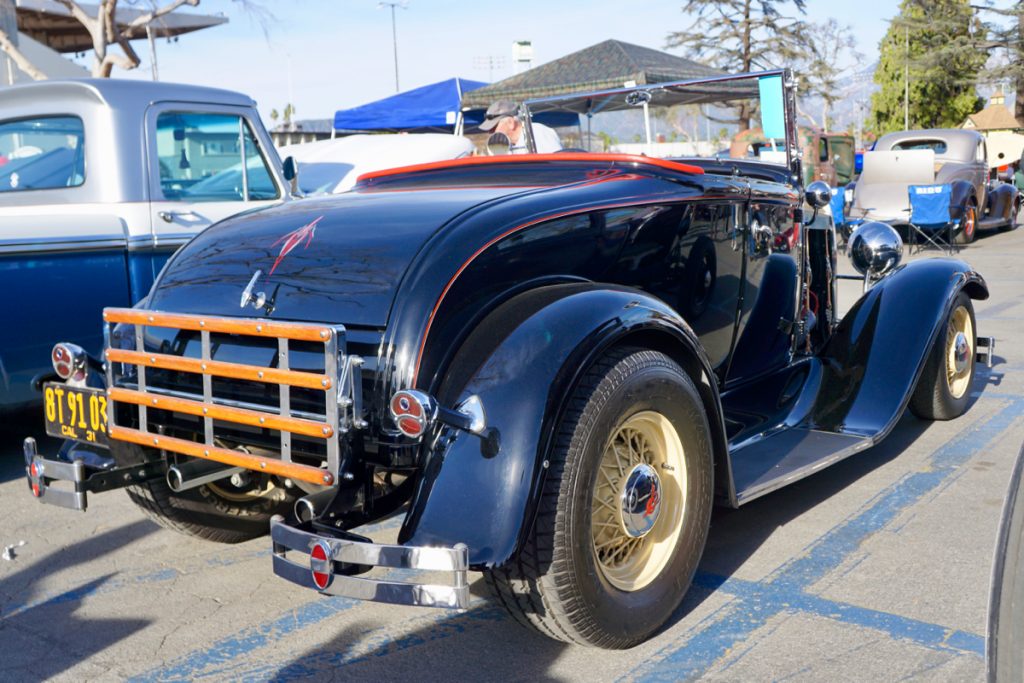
967	230
556	583
212	512
934	398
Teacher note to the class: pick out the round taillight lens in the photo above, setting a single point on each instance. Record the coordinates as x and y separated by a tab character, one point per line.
62	363
411	411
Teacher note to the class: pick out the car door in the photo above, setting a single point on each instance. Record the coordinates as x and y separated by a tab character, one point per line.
206	163
770	288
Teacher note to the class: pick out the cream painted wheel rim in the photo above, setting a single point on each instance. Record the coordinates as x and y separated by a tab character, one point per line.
959	332
629	562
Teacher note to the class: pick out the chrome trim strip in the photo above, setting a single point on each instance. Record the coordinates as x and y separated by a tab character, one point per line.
35	246
454	560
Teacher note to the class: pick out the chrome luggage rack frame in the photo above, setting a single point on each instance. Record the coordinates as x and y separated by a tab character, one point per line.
322	551
341	383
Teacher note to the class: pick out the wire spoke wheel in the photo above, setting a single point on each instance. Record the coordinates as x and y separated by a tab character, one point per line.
959	350
639	501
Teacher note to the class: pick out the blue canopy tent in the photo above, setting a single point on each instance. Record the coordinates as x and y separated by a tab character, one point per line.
433	107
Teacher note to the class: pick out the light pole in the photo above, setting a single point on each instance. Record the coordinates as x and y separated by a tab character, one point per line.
394	33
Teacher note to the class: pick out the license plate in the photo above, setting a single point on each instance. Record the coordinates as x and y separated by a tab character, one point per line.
78	413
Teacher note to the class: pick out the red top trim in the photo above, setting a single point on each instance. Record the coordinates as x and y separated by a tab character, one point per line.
532	158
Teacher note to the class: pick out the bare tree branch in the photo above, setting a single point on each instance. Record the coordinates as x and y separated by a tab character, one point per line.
19	58
141	21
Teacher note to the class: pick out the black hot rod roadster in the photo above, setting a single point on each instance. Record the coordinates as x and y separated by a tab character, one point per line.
551	365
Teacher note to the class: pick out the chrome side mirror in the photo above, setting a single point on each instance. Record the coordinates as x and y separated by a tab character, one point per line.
499	144
875	249
818	194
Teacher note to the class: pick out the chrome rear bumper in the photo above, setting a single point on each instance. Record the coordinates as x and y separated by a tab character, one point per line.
326	556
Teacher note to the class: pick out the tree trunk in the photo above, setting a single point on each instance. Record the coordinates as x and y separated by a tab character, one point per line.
1018	105
22	62
745	109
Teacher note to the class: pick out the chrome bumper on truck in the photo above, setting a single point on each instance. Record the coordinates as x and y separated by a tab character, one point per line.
330	562
42	472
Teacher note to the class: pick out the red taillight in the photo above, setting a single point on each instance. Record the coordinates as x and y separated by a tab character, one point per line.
69	361
61	361
322	567
412	412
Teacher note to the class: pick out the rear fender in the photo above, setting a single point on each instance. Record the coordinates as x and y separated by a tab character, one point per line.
1001	199
523	361
874	358
961	192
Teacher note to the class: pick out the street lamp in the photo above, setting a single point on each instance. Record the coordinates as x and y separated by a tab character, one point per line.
394	34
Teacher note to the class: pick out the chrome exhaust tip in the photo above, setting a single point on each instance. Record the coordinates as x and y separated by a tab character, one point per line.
192	474
312	506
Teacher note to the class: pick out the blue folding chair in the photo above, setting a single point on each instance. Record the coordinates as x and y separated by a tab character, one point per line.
929	217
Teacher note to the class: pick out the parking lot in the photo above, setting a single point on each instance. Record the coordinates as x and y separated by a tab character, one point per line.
877	568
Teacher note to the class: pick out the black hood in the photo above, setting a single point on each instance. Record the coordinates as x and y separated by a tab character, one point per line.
337	259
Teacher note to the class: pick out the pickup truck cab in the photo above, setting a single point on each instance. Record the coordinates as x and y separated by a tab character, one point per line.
100	182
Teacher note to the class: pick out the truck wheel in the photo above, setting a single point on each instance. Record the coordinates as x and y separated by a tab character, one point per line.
942	391
968	225
625	508
214	512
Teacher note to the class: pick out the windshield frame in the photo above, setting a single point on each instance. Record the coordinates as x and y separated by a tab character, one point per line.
792	148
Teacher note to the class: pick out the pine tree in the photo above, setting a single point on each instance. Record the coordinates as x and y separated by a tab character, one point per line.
934	42
1004	33
740	36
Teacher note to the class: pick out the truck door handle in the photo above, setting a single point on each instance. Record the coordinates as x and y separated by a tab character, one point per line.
169	216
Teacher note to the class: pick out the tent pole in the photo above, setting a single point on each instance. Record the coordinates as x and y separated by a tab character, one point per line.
459	122
647	125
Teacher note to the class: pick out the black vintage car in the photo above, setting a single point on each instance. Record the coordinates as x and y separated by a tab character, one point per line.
550	365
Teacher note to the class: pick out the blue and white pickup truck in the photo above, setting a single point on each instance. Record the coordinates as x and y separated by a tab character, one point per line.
100	182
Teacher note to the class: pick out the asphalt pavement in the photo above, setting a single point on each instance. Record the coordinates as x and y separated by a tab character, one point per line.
877	568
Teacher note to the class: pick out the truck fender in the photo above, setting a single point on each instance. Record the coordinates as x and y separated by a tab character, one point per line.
523	361
876	354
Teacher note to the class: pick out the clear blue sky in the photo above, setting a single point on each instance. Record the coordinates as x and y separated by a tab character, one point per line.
333	54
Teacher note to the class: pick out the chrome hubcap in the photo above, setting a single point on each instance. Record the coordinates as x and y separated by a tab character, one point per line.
640	501
961	351
638	504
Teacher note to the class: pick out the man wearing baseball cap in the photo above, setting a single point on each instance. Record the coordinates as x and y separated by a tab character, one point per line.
501	118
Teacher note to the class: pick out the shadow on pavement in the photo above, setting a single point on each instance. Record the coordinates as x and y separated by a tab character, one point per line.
41	633
362	652
14	427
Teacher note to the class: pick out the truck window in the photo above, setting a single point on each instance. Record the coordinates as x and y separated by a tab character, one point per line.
201	159
822	149
41	153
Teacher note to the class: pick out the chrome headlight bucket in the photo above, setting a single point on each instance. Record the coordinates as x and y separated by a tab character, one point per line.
875	249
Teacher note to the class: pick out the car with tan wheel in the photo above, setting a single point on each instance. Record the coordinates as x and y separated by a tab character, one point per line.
551	366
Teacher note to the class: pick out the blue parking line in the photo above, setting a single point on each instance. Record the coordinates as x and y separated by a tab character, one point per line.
752	605
378	642
787	588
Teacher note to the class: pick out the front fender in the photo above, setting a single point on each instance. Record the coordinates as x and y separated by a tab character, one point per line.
873	361
523	361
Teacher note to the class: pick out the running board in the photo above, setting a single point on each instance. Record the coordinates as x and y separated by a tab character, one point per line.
785	457
991	222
